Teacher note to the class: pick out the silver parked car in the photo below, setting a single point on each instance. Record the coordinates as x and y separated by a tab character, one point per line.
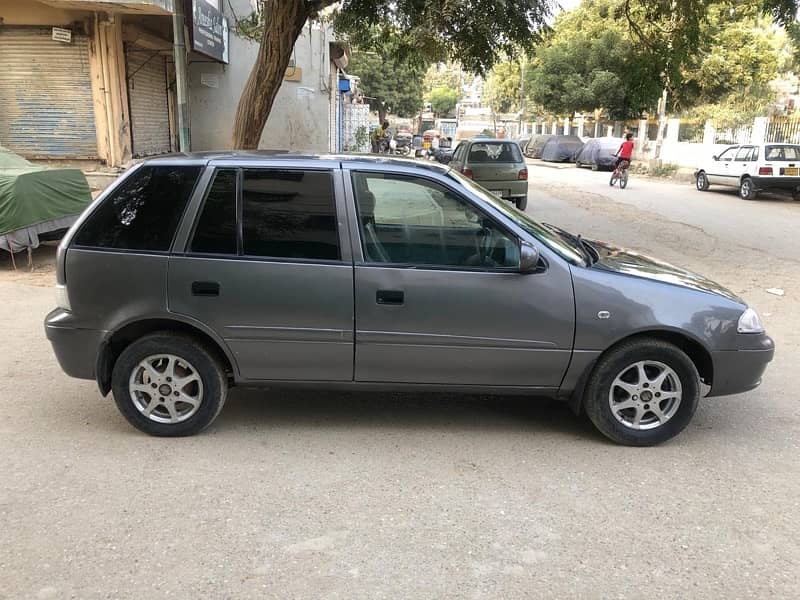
195	273
498	165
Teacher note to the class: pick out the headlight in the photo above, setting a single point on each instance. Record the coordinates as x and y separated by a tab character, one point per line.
62	298
750	322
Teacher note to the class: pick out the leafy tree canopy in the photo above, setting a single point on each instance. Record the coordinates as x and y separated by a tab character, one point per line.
443	100
502	88
390	85
442	75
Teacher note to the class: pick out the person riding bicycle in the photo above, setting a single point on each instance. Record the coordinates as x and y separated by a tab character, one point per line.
625	151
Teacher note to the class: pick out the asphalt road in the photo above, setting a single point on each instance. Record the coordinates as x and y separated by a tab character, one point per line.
322	495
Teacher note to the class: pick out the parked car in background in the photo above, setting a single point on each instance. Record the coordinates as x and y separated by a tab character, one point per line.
536	144
599	153
561	148
444	153
498	165
753	168
523	142
350	272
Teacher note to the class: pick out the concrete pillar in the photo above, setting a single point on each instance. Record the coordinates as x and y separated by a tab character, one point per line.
566	126
641	139
581	123
555	127
673	126
709	133
759	134
609	130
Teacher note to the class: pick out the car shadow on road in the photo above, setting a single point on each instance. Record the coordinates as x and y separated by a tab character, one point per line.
381	410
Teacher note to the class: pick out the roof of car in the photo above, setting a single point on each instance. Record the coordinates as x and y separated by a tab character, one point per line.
290	157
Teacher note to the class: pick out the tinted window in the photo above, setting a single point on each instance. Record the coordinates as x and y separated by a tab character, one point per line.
216	229
289	214
499	152
143	213
412	221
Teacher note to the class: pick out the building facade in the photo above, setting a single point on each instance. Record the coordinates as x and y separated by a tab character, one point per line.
96	80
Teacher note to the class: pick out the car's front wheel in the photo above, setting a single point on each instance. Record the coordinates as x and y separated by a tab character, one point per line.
643	392
702	181
168	384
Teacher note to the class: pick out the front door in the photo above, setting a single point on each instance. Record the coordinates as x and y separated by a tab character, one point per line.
271	274
720	171
438	296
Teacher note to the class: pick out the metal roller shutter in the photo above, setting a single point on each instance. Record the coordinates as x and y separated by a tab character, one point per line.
46	104
147	93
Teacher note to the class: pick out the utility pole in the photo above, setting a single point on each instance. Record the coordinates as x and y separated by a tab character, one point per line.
181	76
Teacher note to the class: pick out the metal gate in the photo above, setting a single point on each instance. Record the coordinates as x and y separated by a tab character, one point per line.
147	94
46	107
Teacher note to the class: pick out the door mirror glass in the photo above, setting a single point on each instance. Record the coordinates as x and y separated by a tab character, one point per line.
528	258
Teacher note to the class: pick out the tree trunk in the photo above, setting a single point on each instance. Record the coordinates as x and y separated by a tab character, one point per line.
283	23
381	115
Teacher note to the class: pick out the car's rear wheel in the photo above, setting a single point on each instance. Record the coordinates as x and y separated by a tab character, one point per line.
642	392
702	181
747	189
522	203
168	384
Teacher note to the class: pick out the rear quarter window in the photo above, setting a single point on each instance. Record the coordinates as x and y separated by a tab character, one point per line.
143	213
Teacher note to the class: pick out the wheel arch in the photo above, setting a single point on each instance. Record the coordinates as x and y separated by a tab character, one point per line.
119	339
696	351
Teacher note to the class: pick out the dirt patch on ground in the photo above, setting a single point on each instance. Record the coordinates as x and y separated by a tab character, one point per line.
42	271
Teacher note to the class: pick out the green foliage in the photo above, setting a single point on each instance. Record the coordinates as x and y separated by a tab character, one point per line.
473	32
590	61
502	88
447	75
443	100
361	139
391	85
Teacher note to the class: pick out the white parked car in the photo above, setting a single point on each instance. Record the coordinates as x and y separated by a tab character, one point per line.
753	168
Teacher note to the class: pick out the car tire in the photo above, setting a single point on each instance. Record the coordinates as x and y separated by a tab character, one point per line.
157	362
612	383
578	164
594	167
747	190
702	181
522	203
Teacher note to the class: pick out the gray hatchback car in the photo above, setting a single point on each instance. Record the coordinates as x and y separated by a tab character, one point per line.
497	165
195	273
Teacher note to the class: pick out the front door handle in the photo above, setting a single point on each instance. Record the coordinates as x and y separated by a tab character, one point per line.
395	297
205	288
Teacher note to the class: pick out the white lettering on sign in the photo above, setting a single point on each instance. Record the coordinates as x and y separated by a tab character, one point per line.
62	35
209	80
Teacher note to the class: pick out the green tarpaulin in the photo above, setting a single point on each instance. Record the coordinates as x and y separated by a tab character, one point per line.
31	195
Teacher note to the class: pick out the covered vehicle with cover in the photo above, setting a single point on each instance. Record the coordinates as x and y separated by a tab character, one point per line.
599	153
35	200
562	148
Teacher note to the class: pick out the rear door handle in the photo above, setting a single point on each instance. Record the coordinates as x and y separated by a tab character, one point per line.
395	297
205	288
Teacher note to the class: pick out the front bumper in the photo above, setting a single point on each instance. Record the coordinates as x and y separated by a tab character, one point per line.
737	371
776	183
75	348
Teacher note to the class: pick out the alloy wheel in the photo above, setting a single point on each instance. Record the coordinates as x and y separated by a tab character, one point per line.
645	395
166	388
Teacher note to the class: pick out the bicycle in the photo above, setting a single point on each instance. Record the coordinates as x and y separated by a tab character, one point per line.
620	174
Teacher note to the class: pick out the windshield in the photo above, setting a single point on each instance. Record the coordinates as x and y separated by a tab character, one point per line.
782	152
559	244
494	152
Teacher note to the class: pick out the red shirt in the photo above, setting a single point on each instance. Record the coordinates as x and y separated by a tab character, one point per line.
626	150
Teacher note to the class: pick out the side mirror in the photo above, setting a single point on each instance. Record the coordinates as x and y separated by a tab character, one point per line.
715	157
528	258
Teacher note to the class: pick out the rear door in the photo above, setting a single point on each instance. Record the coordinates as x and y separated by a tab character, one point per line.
267	266
742	163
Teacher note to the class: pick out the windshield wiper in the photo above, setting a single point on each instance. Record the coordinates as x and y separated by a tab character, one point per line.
582	245
587	249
